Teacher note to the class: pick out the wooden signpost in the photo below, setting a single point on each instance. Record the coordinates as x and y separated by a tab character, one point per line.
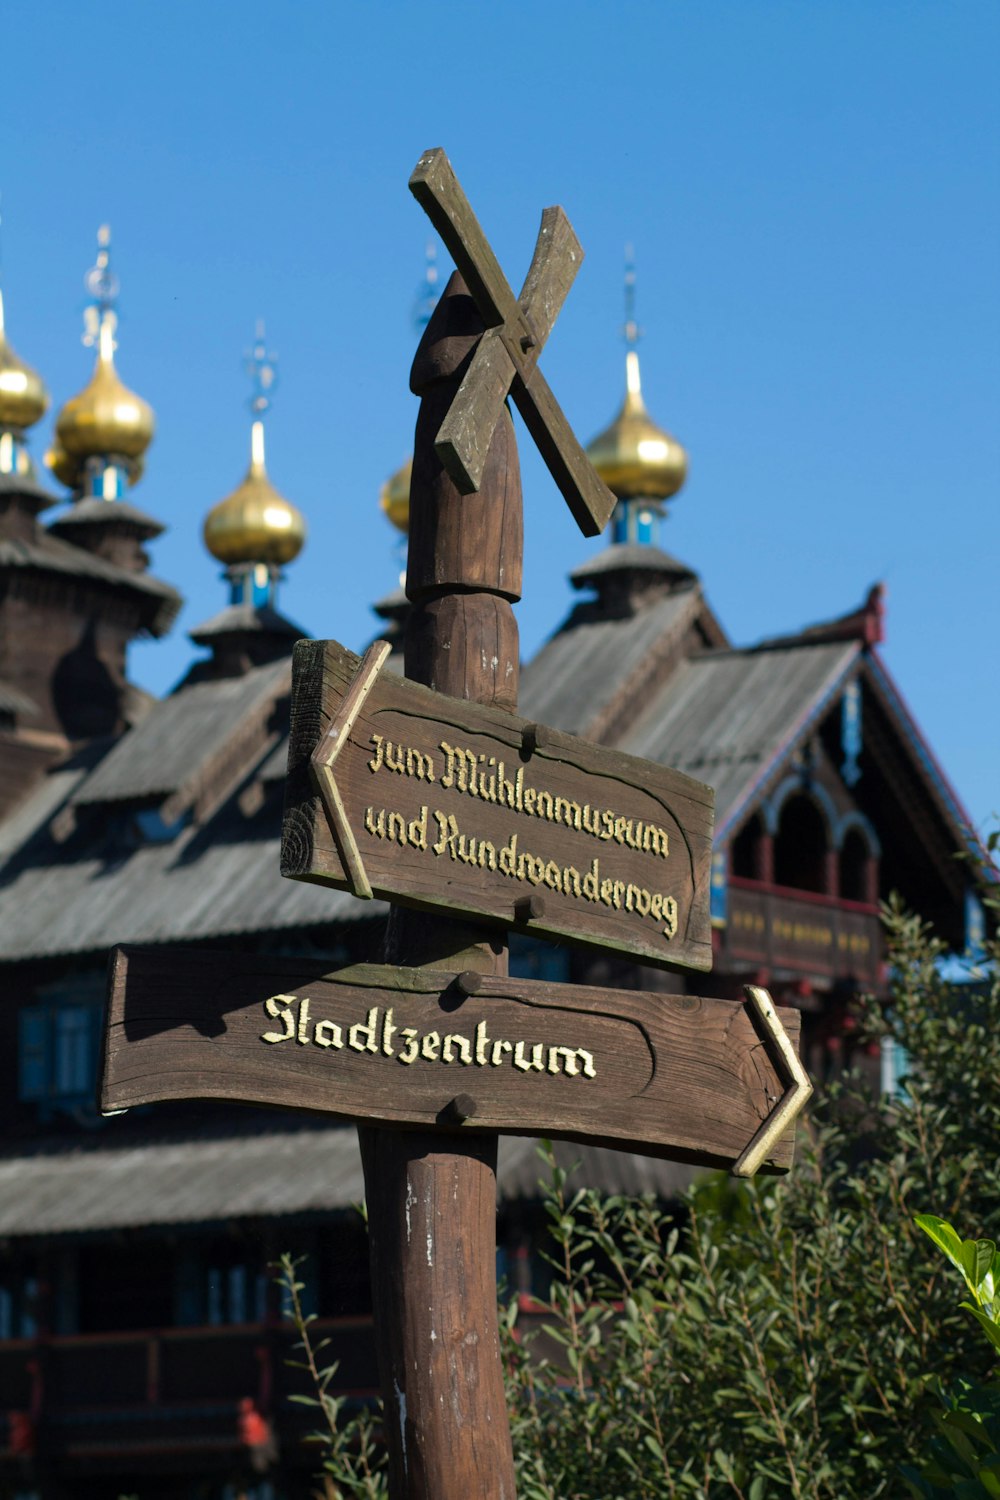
459	806
704	1081
431	792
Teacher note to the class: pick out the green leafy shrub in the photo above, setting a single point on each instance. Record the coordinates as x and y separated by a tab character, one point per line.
964	1458
774	1338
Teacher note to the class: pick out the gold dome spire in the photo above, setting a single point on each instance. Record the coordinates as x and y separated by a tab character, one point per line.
394	497
255	524
23	397
636	459
106	419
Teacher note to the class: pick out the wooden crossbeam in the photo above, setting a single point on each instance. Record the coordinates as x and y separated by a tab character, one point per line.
506	359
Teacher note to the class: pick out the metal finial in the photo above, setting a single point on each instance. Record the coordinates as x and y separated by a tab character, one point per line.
428	295
1	274
631	329
261	365
100	316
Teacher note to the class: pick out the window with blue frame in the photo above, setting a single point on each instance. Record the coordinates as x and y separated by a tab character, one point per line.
58	1040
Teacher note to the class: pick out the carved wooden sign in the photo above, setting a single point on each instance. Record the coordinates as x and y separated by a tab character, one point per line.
394	790
712	1082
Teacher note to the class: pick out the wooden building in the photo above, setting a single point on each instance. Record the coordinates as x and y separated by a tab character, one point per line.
141	1337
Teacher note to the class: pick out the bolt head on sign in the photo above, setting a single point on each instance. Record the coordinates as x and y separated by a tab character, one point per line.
397	791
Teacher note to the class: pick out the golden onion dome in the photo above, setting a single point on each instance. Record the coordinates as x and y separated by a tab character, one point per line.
23	397
106	417
255	523
635	458
394	497
65	469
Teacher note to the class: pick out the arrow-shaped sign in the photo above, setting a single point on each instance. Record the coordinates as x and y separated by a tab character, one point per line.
670	1075
444	804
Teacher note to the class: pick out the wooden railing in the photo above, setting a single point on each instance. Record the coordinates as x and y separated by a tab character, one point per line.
778	928
95	1397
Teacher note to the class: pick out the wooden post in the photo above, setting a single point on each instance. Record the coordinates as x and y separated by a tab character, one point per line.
432	1197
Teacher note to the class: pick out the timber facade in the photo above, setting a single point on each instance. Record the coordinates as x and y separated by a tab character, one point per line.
142	1337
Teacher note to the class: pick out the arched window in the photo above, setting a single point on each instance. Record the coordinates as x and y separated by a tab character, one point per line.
744	849
801	845
855	864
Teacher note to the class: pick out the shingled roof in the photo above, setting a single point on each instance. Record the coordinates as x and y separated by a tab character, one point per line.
581	669
183	734
302	1168
729	716
105	885
50	554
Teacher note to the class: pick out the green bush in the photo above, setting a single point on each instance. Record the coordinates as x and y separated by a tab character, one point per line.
779	1341
964	1460
778	1337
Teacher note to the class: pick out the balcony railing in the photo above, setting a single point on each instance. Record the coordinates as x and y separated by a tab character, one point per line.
166	1395
802	931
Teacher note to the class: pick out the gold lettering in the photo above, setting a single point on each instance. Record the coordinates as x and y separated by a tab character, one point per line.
482	1042
655	841
279	1007
411	1047
388	1031
570	1056
375	826
430	1045
302	1032
328	1034
591	883
419	765
376	759
499	1048
462	1044
364	1030
535	1061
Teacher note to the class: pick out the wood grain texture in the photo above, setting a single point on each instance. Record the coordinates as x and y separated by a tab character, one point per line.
473	541
435	1286
675	1076
445	1416
453	810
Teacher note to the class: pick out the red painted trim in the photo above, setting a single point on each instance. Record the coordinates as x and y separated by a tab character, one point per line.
812	898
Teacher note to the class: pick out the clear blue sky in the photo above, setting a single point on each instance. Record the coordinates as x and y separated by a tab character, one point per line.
813	192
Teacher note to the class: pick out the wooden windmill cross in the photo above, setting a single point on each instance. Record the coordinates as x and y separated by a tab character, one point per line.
430	792
506	358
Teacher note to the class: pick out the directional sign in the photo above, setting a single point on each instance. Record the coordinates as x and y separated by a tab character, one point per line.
397	791
507	354
713	1082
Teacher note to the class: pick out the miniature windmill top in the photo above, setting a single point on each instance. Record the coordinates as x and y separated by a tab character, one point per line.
506	358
